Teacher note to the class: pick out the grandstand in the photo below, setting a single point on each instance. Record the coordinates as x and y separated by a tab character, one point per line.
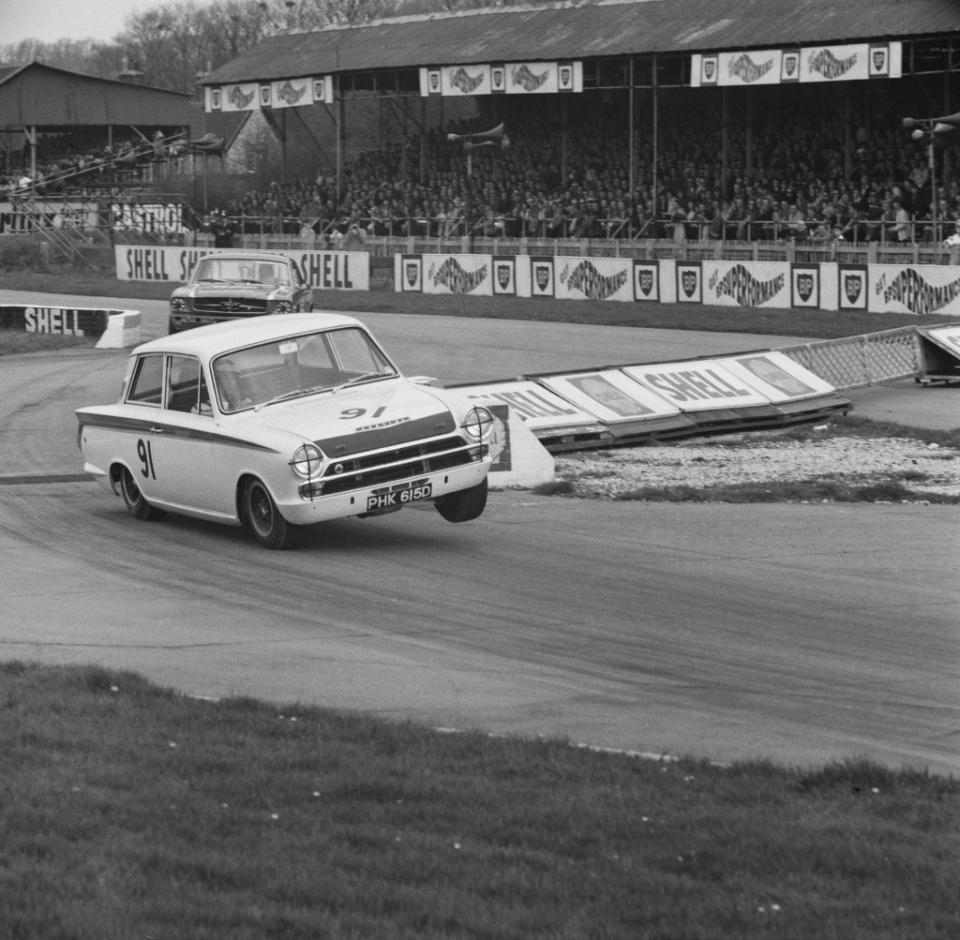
766	127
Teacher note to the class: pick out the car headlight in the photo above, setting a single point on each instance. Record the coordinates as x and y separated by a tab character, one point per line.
178	304
307	461
477	423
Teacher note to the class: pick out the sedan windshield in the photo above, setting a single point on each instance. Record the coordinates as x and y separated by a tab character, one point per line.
296	366
234	270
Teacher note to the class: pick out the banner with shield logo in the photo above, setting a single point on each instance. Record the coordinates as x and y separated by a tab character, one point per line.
689	288
646	280
852	285
409	273
505	275
804	285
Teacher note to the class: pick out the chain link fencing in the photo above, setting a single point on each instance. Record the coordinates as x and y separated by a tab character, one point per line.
857	361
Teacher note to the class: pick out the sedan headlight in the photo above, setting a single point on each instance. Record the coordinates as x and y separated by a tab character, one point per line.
178	304
477	423
307	461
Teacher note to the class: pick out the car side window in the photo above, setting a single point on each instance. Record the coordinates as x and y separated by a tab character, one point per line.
357	353
314	353
146	386
186	390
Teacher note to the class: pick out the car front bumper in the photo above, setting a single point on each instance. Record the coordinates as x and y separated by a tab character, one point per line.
300	510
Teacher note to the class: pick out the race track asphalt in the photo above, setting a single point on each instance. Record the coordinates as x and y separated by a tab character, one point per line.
797	633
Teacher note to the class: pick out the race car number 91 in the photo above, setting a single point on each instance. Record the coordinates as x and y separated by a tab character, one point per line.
398	497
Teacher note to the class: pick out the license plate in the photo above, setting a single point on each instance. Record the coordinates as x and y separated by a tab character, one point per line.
390	499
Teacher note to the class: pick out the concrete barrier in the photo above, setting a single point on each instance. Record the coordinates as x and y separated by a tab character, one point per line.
112	329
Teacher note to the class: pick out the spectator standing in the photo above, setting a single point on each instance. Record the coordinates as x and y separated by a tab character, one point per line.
901	222
222	229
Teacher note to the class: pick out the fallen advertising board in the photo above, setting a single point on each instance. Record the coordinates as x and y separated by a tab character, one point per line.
940	354
775	376
698	385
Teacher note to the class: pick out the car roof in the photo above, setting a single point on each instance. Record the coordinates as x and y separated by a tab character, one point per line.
206	341
245	256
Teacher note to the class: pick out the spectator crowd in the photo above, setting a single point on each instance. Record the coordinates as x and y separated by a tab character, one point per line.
812	179
808	181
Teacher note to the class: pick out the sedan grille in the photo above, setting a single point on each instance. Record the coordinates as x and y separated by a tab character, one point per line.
398	463
229	306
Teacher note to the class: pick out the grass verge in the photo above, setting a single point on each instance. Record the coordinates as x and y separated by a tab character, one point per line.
129	811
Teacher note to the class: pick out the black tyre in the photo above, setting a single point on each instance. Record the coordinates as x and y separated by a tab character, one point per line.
262	517
464	505
136	504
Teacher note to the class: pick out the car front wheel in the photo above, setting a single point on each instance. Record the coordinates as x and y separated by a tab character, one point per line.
463	505
134	499
262	517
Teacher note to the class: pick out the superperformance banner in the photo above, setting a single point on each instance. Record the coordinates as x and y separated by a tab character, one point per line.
509	78
746	284
849	62
257	96
449	274
920	289
326	270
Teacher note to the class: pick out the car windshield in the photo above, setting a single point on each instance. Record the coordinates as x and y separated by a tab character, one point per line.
296	366
213	269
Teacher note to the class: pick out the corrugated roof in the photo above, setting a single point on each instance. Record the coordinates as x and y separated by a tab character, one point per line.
586	30
52	97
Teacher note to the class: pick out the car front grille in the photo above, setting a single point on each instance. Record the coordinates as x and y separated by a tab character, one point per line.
229	306
398	463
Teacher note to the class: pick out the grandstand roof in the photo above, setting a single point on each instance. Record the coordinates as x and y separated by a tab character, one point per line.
38	95
580	30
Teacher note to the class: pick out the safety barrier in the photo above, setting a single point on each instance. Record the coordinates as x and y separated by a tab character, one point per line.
628	404
327	270
920	290
113	329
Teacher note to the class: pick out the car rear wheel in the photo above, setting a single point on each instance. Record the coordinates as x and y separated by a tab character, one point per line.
262	517
134	499
463	505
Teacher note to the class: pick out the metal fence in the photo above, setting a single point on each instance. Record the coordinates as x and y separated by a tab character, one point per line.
857	361
649	249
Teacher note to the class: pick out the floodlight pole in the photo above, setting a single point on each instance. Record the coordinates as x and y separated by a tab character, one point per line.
491	138
923	130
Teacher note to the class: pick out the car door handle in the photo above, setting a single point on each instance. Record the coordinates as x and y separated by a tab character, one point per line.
157	430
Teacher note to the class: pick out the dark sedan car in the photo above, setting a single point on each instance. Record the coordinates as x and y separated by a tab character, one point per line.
238	284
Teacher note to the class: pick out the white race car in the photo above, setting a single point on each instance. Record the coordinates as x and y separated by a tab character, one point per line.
283	421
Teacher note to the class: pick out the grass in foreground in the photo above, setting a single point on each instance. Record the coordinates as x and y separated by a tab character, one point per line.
128	811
